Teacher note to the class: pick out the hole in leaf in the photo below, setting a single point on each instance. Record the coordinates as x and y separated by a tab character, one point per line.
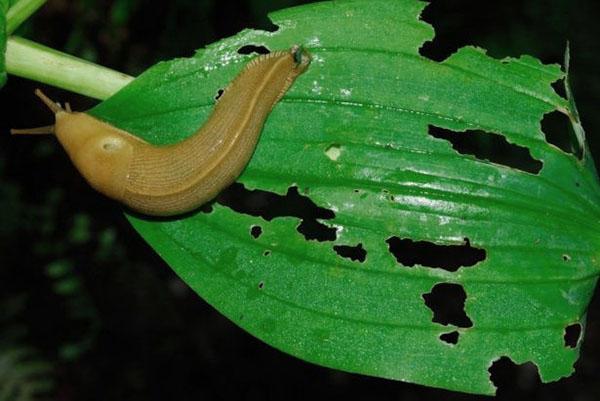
313	230
559	88
256	231
354	253
333	152
447	39
266	253
511	379
261	285
559	132
447	302
249	49
207	208
450	338
490	147
269	205
436	51
572	335
219	93
448	257
566	257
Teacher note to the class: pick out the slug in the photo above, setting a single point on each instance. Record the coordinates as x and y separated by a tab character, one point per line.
178	178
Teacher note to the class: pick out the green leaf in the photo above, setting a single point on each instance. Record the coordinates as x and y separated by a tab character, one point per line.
355	134
3	34
19	11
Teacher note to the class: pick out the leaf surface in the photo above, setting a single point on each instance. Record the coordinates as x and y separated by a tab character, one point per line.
356	134
3	10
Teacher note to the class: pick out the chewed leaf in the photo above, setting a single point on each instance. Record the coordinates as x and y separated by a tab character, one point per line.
401	217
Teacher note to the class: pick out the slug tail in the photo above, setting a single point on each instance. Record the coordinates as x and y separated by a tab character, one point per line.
302	60
302	57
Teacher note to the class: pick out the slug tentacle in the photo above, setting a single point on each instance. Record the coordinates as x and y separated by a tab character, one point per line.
174	179
52	105
48	129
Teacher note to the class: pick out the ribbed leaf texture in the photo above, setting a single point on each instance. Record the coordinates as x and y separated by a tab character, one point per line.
398	190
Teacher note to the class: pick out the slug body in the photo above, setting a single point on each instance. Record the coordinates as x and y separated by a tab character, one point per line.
174	179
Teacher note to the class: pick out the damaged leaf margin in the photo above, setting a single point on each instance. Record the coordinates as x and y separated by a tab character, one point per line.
572	110
372	97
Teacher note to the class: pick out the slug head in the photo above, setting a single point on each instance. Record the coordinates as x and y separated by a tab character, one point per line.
100	152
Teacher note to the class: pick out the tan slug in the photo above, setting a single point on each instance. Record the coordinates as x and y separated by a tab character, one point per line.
177	178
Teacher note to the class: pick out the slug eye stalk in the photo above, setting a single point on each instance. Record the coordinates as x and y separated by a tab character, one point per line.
48	129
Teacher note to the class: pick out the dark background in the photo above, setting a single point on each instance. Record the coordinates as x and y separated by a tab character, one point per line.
89	308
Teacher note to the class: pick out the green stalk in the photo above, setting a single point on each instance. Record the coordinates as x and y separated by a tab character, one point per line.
19	12
33	61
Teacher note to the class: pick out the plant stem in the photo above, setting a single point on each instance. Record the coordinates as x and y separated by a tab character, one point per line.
19	12
33	61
